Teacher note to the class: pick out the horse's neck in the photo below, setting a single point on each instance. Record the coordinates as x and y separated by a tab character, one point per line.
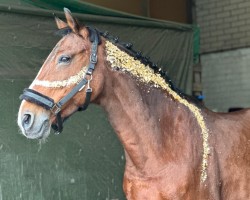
153	128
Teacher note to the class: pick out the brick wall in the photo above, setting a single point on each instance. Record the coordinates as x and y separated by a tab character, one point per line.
225	24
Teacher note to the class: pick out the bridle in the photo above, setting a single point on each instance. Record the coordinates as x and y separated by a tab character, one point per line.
48	103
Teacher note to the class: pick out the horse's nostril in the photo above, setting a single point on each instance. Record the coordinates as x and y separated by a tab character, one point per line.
27	120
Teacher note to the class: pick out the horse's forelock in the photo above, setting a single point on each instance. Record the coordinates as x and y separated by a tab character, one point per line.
64	31
67	30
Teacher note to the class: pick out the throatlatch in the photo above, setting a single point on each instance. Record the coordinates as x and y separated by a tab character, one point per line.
49	104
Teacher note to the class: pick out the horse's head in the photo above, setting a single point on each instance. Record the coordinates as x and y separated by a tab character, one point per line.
64	82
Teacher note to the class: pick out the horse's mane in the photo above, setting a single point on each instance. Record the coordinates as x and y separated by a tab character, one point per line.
127	47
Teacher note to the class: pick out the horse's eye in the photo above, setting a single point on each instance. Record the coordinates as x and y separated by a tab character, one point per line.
64	59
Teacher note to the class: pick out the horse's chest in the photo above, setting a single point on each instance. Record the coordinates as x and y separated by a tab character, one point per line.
154	189
138	189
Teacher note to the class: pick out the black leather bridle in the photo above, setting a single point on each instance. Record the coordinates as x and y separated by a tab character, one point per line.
56	107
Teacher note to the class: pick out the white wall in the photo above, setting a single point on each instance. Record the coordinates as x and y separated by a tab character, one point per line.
226	79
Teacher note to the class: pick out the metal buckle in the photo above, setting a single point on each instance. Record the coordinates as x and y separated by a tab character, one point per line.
89	90
93	58
55	109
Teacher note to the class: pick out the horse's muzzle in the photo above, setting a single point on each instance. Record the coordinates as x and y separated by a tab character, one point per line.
34	126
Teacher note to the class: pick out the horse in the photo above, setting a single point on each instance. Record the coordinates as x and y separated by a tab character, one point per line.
174	147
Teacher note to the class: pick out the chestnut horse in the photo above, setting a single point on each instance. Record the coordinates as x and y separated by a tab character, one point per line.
174	148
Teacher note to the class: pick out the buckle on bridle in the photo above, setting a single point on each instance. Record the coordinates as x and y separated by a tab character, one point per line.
93	58
55	109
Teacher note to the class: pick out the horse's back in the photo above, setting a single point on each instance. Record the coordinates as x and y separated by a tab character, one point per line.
230	142
234	125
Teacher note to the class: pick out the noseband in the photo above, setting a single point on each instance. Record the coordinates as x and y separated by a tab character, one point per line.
49	104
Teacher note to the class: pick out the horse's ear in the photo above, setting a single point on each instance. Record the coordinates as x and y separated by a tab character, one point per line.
72	23
60	23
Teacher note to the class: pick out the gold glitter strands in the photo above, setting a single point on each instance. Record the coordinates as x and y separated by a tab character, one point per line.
64	83
122	60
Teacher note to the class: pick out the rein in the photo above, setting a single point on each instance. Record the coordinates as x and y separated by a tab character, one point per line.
49	104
